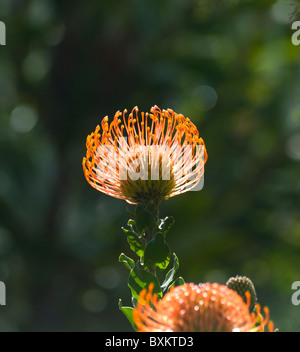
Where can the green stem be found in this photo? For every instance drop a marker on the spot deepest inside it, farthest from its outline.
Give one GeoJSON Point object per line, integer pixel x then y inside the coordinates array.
{"type": "Point", "coordinates": [149, 235]}
{"type": "Point", "coordinates": [152, 270]}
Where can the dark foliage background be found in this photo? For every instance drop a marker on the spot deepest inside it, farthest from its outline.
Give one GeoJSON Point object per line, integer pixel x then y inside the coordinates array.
{"type": "Point", "coordinates": [228, 65]}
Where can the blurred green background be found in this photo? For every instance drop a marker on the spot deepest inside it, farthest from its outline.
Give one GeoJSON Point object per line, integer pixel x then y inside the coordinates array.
{"type": "Point", "coordinates": [228, 65]}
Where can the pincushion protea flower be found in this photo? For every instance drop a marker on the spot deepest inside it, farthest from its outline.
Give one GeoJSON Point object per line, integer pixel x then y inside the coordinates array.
{"type": "Point", "coordinates": [197, 308]}
{"type": "Point", "coordinates": [145, 158]}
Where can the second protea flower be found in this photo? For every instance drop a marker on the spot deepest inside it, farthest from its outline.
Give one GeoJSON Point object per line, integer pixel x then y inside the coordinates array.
{"type": "Point", "coordinates": [145, 158]}
{"type": "Point", "coordinates": [197, 308]}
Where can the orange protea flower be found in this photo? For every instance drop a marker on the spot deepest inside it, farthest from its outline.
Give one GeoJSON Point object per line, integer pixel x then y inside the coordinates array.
{"type": "Point", "coordinates": [197, 308]}
{"type": "Point", "coordinates": [145, 158]}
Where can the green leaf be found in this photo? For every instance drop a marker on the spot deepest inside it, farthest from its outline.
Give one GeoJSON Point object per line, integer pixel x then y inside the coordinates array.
{"type": "Point", "coordinates": [139, 279]}
{"type": "Point", "coordinates": [134, 301]}
{"type": "Point", "coordinates": [126, 231]}
{"type": "Point", "coordinates": [137, 244]}
{"type": "Point", "coordinates": [144, 220]}
{"type": "Point", "coordinates": [128, 313]}
{"type": "Point", "coordinates": [171, 273]}
{"type": "Point", "coordinates": [131, 224]}
{"type": "Point", "coordinates": [128, 262]}
{"type": "Point", "coordinates": [157, 252]}
{"type": "Point", "coordinates": [179, 281]}
{"type": "Point", "coordinates": [166, 224]}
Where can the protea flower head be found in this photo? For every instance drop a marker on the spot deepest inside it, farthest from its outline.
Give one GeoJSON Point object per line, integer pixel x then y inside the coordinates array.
{"type": "Point", "coordinates": [145, 158]}
{"type": "Point", "coordinates": [197, 308]}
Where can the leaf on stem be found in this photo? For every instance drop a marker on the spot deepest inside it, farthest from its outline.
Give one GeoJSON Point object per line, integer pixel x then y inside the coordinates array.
{"type": "Point", "coordinates": [157, 252]}
{"type": "Point", "coordinates": [128, 262]}
{"type": "Point", "coordinates": [140, 279]}
{"type": "Point", "coordinates": [137, 244]}
{"type": "Point", "coordinates": [170, 275]}
{"type": "Point", "coordinates": [166, 224]}
{"type": "Point", "coordinates": [128, 313]}
{"type": "Point", "coordinates": [178, 282]}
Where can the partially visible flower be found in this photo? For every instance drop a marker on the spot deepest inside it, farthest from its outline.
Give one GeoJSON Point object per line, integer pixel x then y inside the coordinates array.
{"type": "Point", "coordinates": [145, 158]}
{"type": "Point", "coordinates": [241, 285]}
{"type": "Point", "coordinates": [197, 308]}
{"type": "Point", "coordinates": [295, 15]}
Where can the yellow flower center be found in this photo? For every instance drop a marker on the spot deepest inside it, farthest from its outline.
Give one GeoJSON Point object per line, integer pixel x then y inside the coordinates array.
{"type": "Point", "coordinates": [146, 175]}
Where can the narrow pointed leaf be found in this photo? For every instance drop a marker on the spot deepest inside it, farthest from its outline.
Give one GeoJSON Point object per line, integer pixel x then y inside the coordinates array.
{"type": "Point", "coordinates": [157, 252]}
{"type": "Point", "coordinates": [171, 273]}
{"type": "Point", "coordinates": [139, 279]}
{"type": "Point", "coordinates": [166, 224]}
{"type": "Point", "coordinates": [137, 244]}
{"type": "Point", "coordinates": [179, 281]}
{"type": "Point", "coordinates": [127, 311]}
{"type": "Point", "coordinates": [128, 262]}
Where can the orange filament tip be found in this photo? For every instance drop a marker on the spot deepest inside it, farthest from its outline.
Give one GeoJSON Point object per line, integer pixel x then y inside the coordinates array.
{"type": "Point", "coordinates": [248, 298]}
{"type": "Point", "coordinates": [271, 326]}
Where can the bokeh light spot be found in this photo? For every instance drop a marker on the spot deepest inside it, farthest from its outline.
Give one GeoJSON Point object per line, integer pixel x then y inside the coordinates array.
{"type": "Point", "coordinates": [293, 147]}
{"type": "Point", "coordinates": [40, 12]}
{"type": "Point", "coordinates": [23, 118]}
{"type": "Point", "coordinates": [281, 11]}
{"type": "Point", "coordinates": [107, 277]}
{"type": "Point", "coordinates": [206, 96]}
{"type": "Point", "coordinates": [94, 300]}
{"type": "Point", "coordinates": [36, 66]}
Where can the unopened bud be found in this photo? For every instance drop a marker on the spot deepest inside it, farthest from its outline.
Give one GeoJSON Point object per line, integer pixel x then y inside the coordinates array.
{"type": "Point", "coordinates": [242, 284]}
